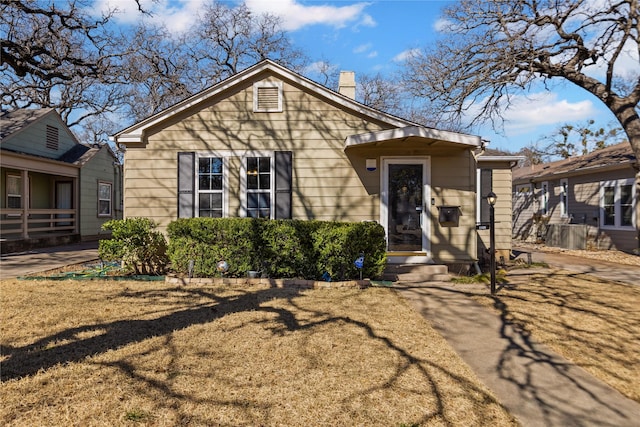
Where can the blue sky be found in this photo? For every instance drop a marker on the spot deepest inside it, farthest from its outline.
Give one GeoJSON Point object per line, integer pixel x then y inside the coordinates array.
{"type": "Point", "coordinates": [371, 37]}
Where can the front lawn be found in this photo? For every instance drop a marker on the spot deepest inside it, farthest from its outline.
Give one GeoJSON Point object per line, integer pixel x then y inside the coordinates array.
{"type": "Point", "coordinates": [592, 322]}
{"type": "Point", "coordinates": [150, 353]}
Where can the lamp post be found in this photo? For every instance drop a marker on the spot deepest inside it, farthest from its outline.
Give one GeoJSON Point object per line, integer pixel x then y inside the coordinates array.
{"type": "Point", "coordinates": [491, 198]}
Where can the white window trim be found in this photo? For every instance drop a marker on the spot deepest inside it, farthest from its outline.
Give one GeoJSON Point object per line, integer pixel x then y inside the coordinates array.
{"type": "Point", "coordinates": [110, 214]}
{"type": "Point", "coordinates": [243, 180]}
{"type": "Point", "coordinates": [258, 85]}
{"type": "Point", "coordinates": [564, 198]}
{"type": "Point", "coordinates": [616, 184]}
{"type": "Point", "coordinates": [478, 195]}
{"type": "Point", "coordinates": [224, 155]}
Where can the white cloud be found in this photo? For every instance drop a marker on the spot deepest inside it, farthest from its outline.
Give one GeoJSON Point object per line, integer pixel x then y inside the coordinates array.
{"type": "Point", "coordinates": [405, 54]}
{"type": "Point", "coordinates": [295, 15]}
{"type": "Point", "coordinates": [179, 15]}
{"type": "Point", "coordinates": [320, 67]}
{"type": "Point", "coordinates": [362, 48]}
{"type": "Point", "coordinates": [527, 113]}
{"type": "Point", "coordinates": [366, 49]}
{"type": "Point", "coordinates": [442, 25]}
{"type": "Point", "coordinates": [176, 15]}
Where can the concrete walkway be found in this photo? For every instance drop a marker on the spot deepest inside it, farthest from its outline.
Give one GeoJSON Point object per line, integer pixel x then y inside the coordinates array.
{"type": "Point", "coordinates": [37, 260]}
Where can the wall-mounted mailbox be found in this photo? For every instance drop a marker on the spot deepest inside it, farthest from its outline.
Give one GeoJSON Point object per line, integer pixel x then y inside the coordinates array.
{"type": "Point", "coordinates": [449, 216]}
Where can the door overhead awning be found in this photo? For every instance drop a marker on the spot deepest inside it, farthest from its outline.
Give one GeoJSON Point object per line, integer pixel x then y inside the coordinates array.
{"type": "Point", "coordinates": [413, 133]}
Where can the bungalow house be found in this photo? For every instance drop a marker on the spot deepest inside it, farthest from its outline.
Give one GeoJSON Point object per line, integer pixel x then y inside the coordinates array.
{"type": "Point", "coordinates": [54, 189]}
{"type": "Point", "coordinates": [268, 142]}
{"type": "Point", "coordinates": [582, 202]}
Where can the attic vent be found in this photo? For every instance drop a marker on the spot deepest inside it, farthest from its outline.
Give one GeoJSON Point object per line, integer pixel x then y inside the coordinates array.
{"type": "Point", "coordinates": [52, 137]}
{"type": "Point", "coordinates": [267, 97]}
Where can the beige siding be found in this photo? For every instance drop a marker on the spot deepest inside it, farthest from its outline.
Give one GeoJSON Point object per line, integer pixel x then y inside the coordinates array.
{"type": "Point", "coordinates": [325, 185]}
{"type": "Point", "coordinates": [503, 212]}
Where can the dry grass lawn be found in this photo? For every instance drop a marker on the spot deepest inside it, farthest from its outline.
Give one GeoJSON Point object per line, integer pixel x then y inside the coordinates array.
{"type": "Point", "coordinates": [592, 322]}
{"type": "Point", "coordinates": [110, 353]}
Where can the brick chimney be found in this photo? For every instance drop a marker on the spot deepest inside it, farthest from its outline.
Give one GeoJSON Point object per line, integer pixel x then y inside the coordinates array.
{"type": "Point", "coordinates": [347, 84]}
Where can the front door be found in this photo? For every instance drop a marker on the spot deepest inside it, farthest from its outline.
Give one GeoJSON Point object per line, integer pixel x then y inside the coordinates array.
{"type": "Point", "coordinates": [404, 211]}
{"type": "Point", "coordinates": [64, 200]}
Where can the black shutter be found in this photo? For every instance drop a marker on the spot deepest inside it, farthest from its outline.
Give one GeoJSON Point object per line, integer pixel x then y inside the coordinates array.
{"type": "Point", "coordinates": [283, 161]}
{"type": "Point", "coordinates": [186, 171]}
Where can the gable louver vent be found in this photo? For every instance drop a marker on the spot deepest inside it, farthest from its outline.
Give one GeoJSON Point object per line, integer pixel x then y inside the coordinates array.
{"type": "Point", "coordinates": [52, 137]}
{"type": "Point", "coordinates": [268, 97]}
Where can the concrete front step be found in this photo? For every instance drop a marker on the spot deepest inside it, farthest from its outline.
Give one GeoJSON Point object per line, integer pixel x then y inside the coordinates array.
{"type": "Point", "coordinates": [416, 273]}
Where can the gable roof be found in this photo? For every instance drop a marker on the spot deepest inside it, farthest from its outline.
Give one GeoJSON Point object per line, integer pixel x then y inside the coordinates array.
{"type": "Point", "coordinates": [618, 156]}
{"type": "Point", "coordinates": [136, 132]}
{"type": "Point", "coordinates": [12, 122]}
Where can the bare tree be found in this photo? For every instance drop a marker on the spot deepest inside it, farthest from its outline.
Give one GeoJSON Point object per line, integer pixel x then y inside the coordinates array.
{"type": "Point", "coordinates": [58, 57]}
{"type": "Point", "coordinates": [225, 40]}
{"type": "Point", "coordinates": [90, 69]}
{"type": "Point", "coordinates": [159, 72]}
{"type": "Point", "coordinates": [497, 49]}
{"type": "Point", "coordinates": [380, 93]}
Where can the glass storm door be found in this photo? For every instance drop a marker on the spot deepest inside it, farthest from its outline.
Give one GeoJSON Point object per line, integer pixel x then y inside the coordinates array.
{"type": "Point", "coordinates": [403, 195]}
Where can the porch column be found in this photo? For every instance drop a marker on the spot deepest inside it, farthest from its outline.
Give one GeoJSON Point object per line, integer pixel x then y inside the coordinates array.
{"type": "Point", "coordinates": [76, 205]}
{"type": "Point", "coordinates": [24, 177]}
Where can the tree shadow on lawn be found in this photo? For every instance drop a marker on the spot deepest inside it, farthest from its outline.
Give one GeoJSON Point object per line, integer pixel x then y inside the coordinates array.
{"type": "Point", "coordinates": [68, 346]}
{"type": "Point", "coordinates": [47, 352]}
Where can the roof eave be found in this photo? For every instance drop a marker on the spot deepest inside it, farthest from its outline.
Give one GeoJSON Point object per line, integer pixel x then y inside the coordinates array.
{"type": "Point", "coordinates": [400, 133]}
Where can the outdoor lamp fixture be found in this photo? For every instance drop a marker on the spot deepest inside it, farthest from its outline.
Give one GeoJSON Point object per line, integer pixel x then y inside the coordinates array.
{"type": "Point", "coordinates": [491, 198]}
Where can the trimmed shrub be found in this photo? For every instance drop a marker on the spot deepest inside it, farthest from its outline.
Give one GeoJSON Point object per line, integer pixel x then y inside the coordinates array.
{"type": "Point", "coordinates": [339, 244]}
{"type": "Point", "coordinates": [207, 241]}
{"type": "Point", "coordinates": [277, 248]}
{"type": "Point", "coordinates": [136, 243]}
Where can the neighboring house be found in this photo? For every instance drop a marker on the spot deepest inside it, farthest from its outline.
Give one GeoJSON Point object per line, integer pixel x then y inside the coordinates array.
{"type": "Point", "coordinates": [270, 143]}
{"type": "Point", "coordinates": [588, 201]}
{"type": "Point", "coordinates": [54, 189]}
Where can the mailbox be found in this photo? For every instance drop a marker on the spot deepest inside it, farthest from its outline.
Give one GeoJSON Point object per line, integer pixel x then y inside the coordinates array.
{"type": "Point", "coordinates": [449, 216]}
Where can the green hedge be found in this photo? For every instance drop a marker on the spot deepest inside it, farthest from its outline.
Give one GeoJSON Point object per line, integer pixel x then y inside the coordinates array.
{"type": "Point", "coordinates": [137, 244]}
{"type": "Point", "coordinates": [276, 248]}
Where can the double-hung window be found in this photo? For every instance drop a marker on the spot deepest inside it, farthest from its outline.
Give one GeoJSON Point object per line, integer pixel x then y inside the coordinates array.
{"type": "Point", "coordinates": [544, 198]}
{"type": "Point", "coordinates": [14, 191]}
{"type": "Point", "coordinates": [104, 198]}
{"type": "Point", "coordinates": [259, 194]}
{"type": "Point", "coordinates": [564, 197]}
{"type": "Point", "coordinates": [255, 184]}
{"type": "Point", "coordinates": [617, 201]}
{"type": "Point", "coordinates": [210, 187]}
